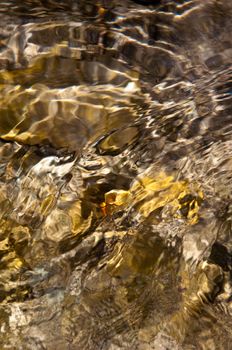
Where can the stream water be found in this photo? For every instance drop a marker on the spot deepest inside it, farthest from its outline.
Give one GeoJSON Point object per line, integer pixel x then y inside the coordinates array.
{"type": "Point", "coordinates": [115, 175]}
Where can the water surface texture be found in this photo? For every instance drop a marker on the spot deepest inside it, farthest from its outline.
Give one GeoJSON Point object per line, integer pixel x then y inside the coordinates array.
{"type": "Point", "coordinates": [115, 175]}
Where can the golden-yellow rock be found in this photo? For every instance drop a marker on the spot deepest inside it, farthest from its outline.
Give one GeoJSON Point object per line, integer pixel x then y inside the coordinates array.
{"type": "Point", "coordinates": [114, 200]}
{"type": "Point", "coordinates": [117, 197]}
{"type": "Point", "coordinates": [151, 193]}
{"type": "Point", "coordinates": [180, 198]}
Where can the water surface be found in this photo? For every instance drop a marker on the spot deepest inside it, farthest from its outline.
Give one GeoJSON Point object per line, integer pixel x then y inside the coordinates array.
{"type": "Point", "coordinates": [115, 175]}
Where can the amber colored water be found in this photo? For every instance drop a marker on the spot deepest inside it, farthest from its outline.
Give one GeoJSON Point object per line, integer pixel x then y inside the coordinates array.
{"type": "Point", "coordinates": [115, 175]}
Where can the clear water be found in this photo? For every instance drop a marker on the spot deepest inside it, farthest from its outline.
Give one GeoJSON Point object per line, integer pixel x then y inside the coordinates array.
{"type": "Point", "coordinates": [115, 175]}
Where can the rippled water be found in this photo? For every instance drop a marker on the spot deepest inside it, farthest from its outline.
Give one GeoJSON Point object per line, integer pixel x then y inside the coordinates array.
{"type": "Point", "coordinates": [115, 174]}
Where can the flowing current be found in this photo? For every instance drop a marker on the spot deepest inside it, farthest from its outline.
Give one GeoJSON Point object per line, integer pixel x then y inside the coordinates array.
{"type": "Point", "coordinates": [115, 175]}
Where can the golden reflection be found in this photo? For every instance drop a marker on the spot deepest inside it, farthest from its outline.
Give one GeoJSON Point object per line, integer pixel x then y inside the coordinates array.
{"type": "Point", "coordinates": [114, 200]}
{"type": "Point", "coordinates": [163, 192]}
{"type": "Point", "coordinates": [47, 204]}
{"type": "Point", "coordinates": [115, 173]}
{"type": "Point", "coordinates": [79, 224]}
{"type": "Point", "coordinates": [180, 198]}
{"type": "Point", "coordinates": [35, 114]}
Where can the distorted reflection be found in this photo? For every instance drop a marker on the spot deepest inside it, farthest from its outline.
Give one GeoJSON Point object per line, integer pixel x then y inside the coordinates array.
{"type": "Point", "coordinates": [115, 175]}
